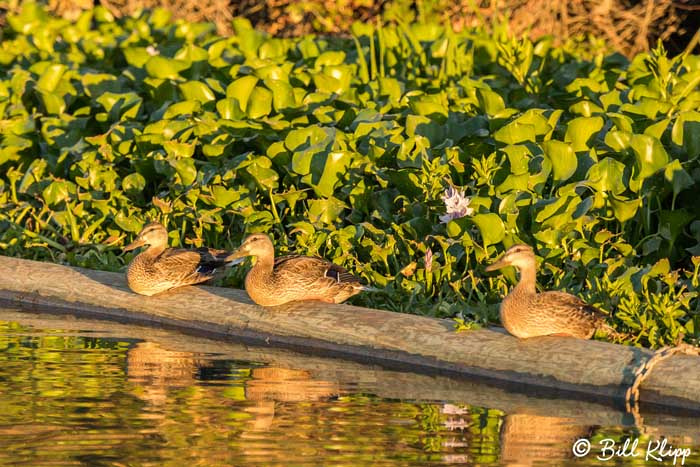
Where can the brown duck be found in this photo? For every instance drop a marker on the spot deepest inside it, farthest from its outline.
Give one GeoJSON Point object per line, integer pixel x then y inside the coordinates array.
{"type": "Point", "coordinates": [159, 268]}
{"type": "Point", "coordinates": [275, 281]}
{"type": "Point", "coordinates": [526, 313]}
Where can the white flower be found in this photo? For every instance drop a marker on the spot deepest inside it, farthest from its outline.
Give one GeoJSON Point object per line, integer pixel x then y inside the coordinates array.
{"type": "Point", "coordinates": [456, 205]}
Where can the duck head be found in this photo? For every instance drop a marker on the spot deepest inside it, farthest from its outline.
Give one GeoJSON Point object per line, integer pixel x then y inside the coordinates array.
{"type": "Point", "coordinates": [520, 256]}
{"type": "Point", "coordinates": [153, 234]}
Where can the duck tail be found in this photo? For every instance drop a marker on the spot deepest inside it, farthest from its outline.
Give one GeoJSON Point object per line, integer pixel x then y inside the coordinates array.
{"type": "Point", "coordinates": [366, 288]}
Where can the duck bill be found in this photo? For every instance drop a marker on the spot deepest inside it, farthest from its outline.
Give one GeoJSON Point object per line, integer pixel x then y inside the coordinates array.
{"type": "Point", "coordinates": [133, 245]}
{"type": "Point", "coordinates": [237, 256]}
{"type": "Point", "coordinates": [497, 265]}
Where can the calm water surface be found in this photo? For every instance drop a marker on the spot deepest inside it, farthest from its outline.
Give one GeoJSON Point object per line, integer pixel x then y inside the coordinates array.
{"type": "Point", "coordinates": [94, 393]}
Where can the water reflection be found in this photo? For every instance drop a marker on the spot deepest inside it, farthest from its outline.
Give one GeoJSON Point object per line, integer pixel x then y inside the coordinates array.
{"type": "Point", "coordinates": [136, 396]}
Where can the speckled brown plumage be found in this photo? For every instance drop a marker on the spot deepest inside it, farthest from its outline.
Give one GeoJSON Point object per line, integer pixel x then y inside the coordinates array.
{"type": "Point", "coordinates": [159, 268]}
{"type": "Point", "coordinates": [273, 282]}
{"type": "Point", "coordinates": [526, 313]}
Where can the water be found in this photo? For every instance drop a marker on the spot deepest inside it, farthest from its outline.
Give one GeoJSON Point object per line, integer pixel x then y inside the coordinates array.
{"type": "Point", "coordinates": [80, 393]}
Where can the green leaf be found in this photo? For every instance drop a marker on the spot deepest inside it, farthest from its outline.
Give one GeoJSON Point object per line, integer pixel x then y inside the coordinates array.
{"type": "Point", "coordinates": [241, 90]}
{"type": "Point", "coordinates": [260, 103]}
{"type": "Point", "coordinates": [515, 132]}
{"type": "Point", "coordinates": [128, 223]}
{"type": "Point", "coordinates": [260, 168]}
{"type": "Point", "coordinates": [491, 227]}
{"type": "Point", "coordinates": [332, 170]}
{"type": "Point", "coordinates": [490, 102]}
{"type": "Point", "coordinates": [196, 91]}
{"type": "Point", "coordinates": [120, 105]}
{"type": "Point", "coordinates": [223, 196]}
{"type": "Point", "coordinates": [650, 155]}
{"type": "Point", "coordinates": [165, 68]}
{"type": "Point", "coordinates": [678, 177]}
{"type": "Point", "coordinates": [581, 132]}
{"type": "Point", "coordinates": [282, 94]}
{"type": "Point", "coordinates": [607, 176]}
{"type": "Point", "coordinates": [562, 157]}
{"type": "Point", "coordinates": [51, 77]}
{"type": "Point", "coordinates": [686, 133]}
{"type": "Point", "coordinates": [325, 211]}
{"type": "Point", "coordinates": [59, 191]}
{"type": "Point", "coordinates": [134, 183]}
{"type": "Point", "coordinates": [624, 210]}
{"type": "Point", "coordinates": [185, 169]}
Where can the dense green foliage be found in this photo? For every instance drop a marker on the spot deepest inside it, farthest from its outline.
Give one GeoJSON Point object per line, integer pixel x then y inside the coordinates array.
{"type": "Point", "coordinates": [344, 147]}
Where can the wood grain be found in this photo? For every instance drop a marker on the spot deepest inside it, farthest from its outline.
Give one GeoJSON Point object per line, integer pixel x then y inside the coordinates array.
{"type": "Point", "coordinates": [590, 369]}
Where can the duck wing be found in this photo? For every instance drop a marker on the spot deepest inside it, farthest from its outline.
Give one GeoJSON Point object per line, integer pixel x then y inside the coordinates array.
{"type": "Point", "coordinates": [310, 269]}
{"type": "Point", "coordinates": [567, 308]}
{"type": "Point", "coordinates": [190, 266]}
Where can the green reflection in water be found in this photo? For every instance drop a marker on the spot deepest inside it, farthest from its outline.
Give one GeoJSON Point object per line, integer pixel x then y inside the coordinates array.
{"type": "Point", "coordinates": [71, 399]}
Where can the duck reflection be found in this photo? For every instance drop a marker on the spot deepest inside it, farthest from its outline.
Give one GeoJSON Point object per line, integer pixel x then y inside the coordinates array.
{"type": "Point", "coordinates": [270, 385]}
{"type": "Point", "coordinates": [154, 371]}
{"type": "Point", "coordinates": [528, 439]}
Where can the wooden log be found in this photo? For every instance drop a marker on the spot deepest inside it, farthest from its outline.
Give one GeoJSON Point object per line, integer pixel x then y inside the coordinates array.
{"type": "Point", "coordinates": [589, 369]}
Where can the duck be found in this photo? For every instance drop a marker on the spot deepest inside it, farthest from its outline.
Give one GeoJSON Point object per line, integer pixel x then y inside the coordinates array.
{"type": "Point", "coordinates": [525, 313]}
{"type": "Point", "coordinates": [158, 268]}
{"type": "Point", "coordinates": [276, 281]}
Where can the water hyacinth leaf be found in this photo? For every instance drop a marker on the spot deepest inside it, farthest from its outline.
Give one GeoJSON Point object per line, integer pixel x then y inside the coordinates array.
{"type": "Point", "coordinates": [164, 67]}
{"type": "Point", "coordinates": [518, 157]}
{"type": "Point", "coordinates": [581, 132]}
{"type": "Point", "coordinates": [657, 129]}
{"type": "Point", "coordinates": [332, 170]}
{"type": "Point", "coordinates": [623, 209]}
{"type": "Point", "coordinates": [136, 56]}
{"type": "Point", "coordinates": [185, 169]}
{"type": "Point", "coordinates": [330, 57]}
{"type": "Point", "coordinates": [230, 109]}
{"type": "Point", "coordinates": [562, 157]}
{"type": "Point", "coordinates": [58, 191]}
{"type": "Point", "coordinates": [676, 175]}
{"type": "Point", "coordinates": [282, 94]}
{"type": "Point", "coordinates": [671, 223]}
{"type": "Point", "coordinates": [52, 103]}
{"type": "Point", "coordinates": [491, 227]}
{"type": "Point", "coordinates": [51, 77]}
{"type": "Point", "coordinates": [128, 223]}
{"type": "Point", "coordinates": [650, 155]}
{"type": "Point", "coordinates": [223, 196]}
{"type": "Point", "coordinates": [431, 106]}
{"type": "Point", "coordinates": [686, 133]}
{"type": "Point", "coordinates": [515, 132]}
{"type": "Point", "coordinates": [306, 143]}
{"type": "Point", "coordinates": [260, 103]}
{"type": "Point", "coordinates": [179, 150]}
{"type": "Point", "coordinates": [182, 108]}
{"type": "Point", "coordinates": [490, 102]}
{"type": "Point", "coordinates": [538, 121]}
{"type": "Point", "coordinates": [241, 89]}
{"type": "Point", "coordinates": [260, 168]}
{"type": "Point", "coordinates": [196, 91]}
{"type": "Point", "coordinates": [618, 140]}
{"type": "Point", "coordinates": [120, 105]}
{"type": "Point", "coordinates": [325, 211]}
{"type": "Point", "coordinates": [134, 183]}
{"type": "Point", "coordinates": [607, 176]}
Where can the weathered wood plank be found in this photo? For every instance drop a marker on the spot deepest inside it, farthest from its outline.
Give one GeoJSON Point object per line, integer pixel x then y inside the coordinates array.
{"type": "Point", "coordinates": [589, 368]}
